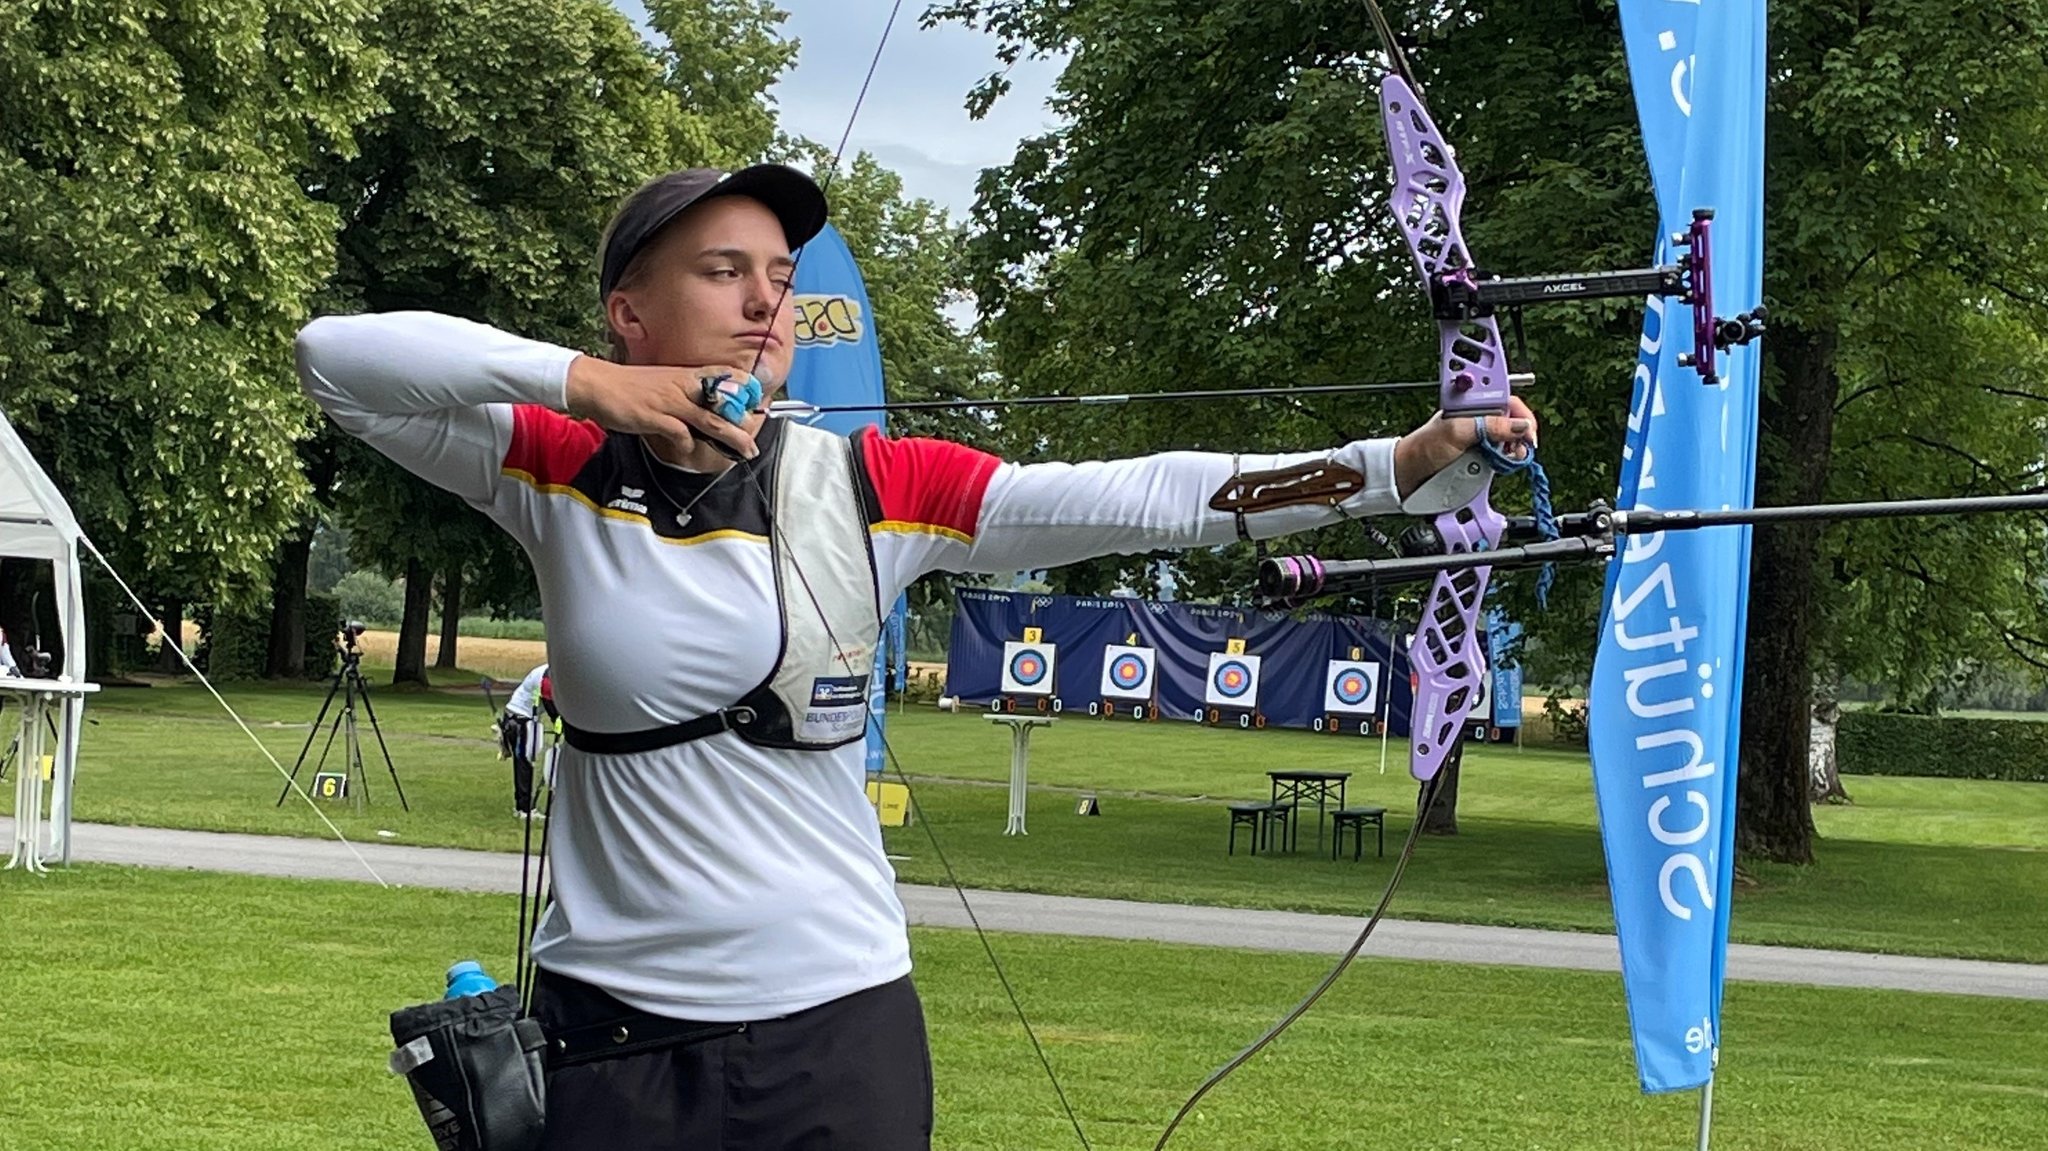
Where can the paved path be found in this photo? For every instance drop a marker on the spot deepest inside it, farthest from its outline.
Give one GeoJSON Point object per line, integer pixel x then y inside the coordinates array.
{"type": "Point", "coordinates": [1067, 915]}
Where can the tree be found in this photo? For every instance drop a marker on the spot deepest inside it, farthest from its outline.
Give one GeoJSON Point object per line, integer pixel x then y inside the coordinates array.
{"type": "Point", "coordinates": [156, 255]}
{"type": "Point", "coordinates": [719, 58]}
{"type": "Point", "coordinates": [512, 127]}
{"type": "Point", "coordinates": [1213, 212]}
{"type": "Point", "coordinates": [451, 615]}
{"type": "Point", "coordinates": [291, 570]}
{"type": "Point", "coordinates": [1907, 144]}
{"type": "Point", "coordinates": [1824, 783]}
{"type": "Point", "coordinates": [1214, 215]}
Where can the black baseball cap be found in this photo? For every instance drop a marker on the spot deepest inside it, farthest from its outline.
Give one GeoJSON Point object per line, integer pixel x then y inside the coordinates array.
{"type": "Point", "coordinates": [792, 196]}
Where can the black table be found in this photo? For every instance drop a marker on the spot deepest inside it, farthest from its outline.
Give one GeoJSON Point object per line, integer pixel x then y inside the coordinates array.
{"type": "Point", "coordinates": [1296, 788]}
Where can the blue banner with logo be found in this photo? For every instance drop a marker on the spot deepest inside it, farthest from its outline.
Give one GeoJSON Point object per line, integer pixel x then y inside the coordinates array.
{"type": "Point", "coordinates": [839, 362]}
{"type": "Point", "coordinates": [1501, 635]}
{"type": "Point", "coordinates": [1666, 692]}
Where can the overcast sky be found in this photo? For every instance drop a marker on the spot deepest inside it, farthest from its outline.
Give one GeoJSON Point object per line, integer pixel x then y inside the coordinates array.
{"type": "Point", "coordinates": [913, 120]}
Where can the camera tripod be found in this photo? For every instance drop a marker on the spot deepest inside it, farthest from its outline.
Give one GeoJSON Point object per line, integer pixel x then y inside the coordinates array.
{"type": "Point", "coordinates": [350, 685]}
{"type": "Point", "coordinates": [12, 755]}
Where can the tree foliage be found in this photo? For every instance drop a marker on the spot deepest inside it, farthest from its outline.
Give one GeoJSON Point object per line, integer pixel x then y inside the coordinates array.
{"type": "Point", "coordinates": [719, 58]}
{"type": "Point", "coordinates": [180, 188]}
{"type": "Point", "coordinates": [157, 252]}
{"type": "Point", "coordinates": [511, 127]}
{"type": "Point", "coordinates": [1213, 213]}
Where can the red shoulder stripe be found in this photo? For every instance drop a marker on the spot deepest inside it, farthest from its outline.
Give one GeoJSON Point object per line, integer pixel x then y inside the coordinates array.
{"type": "Point", "coordinates": [927, 485]}
{"type": "Point", "coordinates": [548, 446]}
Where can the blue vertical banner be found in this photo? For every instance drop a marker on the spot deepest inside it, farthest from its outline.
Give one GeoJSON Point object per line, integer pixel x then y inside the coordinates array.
{"type": "Point", "coordinates": [1501, 634]}
{"type": "Point", "coordinates": [839, 362]}
{"type": "Point", "coordinates": [1666, 694]}
{"type": "Point", "coordinates": [899, 642]}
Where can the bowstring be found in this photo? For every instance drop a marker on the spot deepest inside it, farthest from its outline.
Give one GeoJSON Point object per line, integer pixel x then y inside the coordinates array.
{"type": "Point", "coordinates": [761, 492]}
{"type": "Point", "coordinates": [1423, 804]}
{"type": "Point", "coordinates": [1397, 61]}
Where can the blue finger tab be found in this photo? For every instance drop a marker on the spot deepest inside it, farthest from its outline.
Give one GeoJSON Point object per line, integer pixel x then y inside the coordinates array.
{"type": "Point", "coordinates": [732, 403]}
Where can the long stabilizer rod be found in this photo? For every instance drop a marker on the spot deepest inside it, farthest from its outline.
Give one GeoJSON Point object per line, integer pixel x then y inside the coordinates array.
{"type": "Point", "coordinates": [798, 408]}
{"type": "Point", "coordinates": [1591, 535]}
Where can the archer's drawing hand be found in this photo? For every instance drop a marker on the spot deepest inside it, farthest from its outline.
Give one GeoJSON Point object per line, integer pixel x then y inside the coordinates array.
{"type": "Point", "coordinates": [664, 403]}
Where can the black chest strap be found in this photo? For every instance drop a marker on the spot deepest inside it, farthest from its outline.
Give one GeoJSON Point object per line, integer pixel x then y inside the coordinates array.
{"type": "Point", "coordinates": [656, 738]}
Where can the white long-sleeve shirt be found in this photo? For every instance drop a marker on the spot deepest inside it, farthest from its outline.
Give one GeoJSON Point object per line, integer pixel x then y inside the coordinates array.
{"type": "Point", "coordinates": [525, 698]}
{"type": "Point", "coordinates": [716, 880]}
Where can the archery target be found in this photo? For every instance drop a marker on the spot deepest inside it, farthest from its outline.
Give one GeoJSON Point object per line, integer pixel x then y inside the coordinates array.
{"type": "Point", "coordinates": [1127, 672]}
{"type": "Point", "coordinates": [1027, 668]}
{"type": "Point", "coordinates": [1352, 686]}
{"type": "Point", "coordinates": [1233, 681]}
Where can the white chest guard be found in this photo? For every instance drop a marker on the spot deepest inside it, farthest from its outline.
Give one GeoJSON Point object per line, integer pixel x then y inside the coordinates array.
{"type": "Point", "coordinates": [816, 696]}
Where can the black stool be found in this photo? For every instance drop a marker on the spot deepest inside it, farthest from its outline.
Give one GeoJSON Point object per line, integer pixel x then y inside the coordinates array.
{"type": "Point", "coordinates": [1258, 816]}
{"type": "Point", "coordinates": [1356, 818]}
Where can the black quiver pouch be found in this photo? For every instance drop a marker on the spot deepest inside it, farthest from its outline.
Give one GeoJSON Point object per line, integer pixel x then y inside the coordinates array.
{"type": "Point", "coordinates": [475, 1067]}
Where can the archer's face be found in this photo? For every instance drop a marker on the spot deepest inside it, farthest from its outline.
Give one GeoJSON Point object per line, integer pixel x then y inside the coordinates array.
{"type": "Point", "coordinates": [713, 289]}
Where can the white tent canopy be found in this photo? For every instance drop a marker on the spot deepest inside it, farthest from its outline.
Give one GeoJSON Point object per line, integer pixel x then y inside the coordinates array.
{"type": "Point", "coordinates": [36, 523]}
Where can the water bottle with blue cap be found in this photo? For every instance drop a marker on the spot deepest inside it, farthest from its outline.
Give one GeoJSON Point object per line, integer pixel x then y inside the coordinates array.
{"type": "Point", "coordinates": [468, 978]}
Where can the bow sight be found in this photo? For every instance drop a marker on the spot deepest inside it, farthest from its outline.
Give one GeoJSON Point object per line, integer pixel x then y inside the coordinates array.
{"type": "Point", "coordinates": [1469, 293]}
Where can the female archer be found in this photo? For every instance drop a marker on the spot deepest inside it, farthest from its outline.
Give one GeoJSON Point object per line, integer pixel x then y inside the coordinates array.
{"type": "Point", "coordinates": [725, 961]}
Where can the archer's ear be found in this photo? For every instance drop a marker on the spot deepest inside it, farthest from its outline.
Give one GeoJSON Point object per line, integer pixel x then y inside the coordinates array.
{"type": "Point", "coordinates": [623, 320]}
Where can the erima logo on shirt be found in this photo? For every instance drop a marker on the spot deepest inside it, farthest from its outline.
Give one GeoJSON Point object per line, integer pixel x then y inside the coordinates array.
{"type": "Point", "coordinates": [629, 501]}
{"type": "Point", "coordinates": [839, 691]}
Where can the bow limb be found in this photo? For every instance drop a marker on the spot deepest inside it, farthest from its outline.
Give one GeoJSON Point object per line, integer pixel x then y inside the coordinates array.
{"type": "Point", "coordinates": [1449, 649]}
{"type": "Point", "coordinates": [1449, 653]}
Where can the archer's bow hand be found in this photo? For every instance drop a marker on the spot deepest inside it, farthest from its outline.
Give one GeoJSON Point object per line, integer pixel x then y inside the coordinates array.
{"type": "Point", "coordinates": [1440, 443]}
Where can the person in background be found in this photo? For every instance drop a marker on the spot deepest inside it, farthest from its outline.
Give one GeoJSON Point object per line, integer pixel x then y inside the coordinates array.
{"type": "Point", "coordinates": [520, 734]}
{"type": "Point", "coordinates": [7, 664]}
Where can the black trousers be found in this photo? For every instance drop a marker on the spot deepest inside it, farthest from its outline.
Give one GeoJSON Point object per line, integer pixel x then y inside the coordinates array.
{"type": "Point", "coordinates": [522, 766]}
{"type": "Point", "coordinates": [850, 1075]}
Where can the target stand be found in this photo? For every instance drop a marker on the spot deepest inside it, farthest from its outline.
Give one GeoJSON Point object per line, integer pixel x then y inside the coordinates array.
{"type": "Point", "coordinates": [1336, 723]}
{"type": "Point", "coordinates": [1020, 762]}
{"type": "Point", "coordinates": [1130, 684]}
{"type": "Point", "coordinates": [1352, 699]}
{"type": "Point", "coordinates": [1230, 698]}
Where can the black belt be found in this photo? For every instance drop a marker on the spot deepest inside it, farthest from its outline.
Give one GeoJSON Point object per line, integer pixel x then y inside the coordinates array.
{"type": "Point", "coordinates": [630, 1036]}
{"type": "Point", "coordinates": [653, 739]}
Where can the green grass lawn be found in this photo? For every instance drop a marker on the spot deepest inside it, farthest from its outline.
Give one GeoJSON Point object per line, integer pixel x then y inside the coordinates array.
{"type": "Point", "coordinates": [181, 1011]}
{"type": "Point", "coordinates": [1937, 867]}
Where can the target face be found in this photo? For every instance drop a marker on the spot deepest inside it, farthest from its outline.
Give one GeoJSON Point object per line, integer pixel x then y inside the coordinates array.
{"type": "Point", "coordinates": [1127, 672]}
{"type": "Point", "coordinates": [1233, 680]}
{"type": "Point", "coordinates": [1027, 668]}
{"type": "Point", "coordinates": [1352, 686]}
